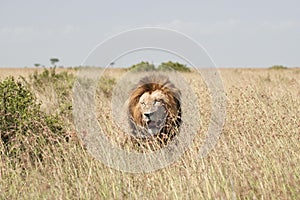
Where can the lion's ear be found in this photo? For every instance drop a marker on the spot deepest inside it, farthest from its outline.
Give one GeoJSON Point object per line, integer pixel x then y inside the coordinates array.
{"type": "Point", "coordinates": [176, 92]}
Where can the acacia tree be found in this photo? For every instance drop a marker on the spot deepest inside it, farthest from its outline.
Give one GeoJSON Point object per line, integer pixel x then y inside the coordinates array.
{"type": "Point", "coordinates": [37, 64]}
{"type": "Point", "coordinates": [53, 61]}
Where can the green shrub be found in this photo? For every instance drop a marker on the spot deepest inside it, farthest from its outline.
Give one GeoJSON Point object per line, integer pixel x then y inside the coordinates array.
{"type": "Point", "coordinates": [278, 67]}
{"type": "Point", "coordinates": [106, 85]}
{"type": "Point", "coordinates": [55, 90]}
{"type": "Point", "coordinates": [169, 66]}
{"type": "Point", "coordinates": [165, 66]}
{"type": "Point", "coordinates": [142, 66]}
{"type": "Point", "coordinates": [24, 129]}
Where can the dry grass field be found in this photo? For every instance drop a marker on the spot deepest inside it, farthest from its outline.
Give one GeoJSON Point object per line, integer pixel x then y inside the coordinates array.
{"type": "Point", "coordinates": [25, 72]}
{"type": "Point", "coordinates": [256, 157]}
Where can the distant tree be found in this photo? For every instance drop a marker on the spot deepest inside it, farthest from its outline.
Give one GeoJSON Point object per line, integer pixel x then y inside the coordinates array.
{"type": "Point", "coordinates": [142, 66]}
{"type": "Point", "coordinates": [37, 64]}
{"type": "Point", "coordinates": [54, 61]}
{"type": "Point", "coordinates": [166, 66]}
{"type": "Point", "coordinates": [278, 67]}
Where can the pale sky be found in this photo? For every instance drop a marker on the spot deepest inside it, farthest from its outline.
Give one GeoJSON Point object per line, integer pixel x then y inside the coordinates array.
{"type": "Point", "coordinates": [235, 33]}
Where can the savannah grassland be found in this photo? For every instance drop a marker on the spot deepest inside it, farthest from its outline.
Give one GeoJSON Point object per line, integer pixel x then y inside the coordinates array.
{"type": "Point", "coordinates": [256, 157]}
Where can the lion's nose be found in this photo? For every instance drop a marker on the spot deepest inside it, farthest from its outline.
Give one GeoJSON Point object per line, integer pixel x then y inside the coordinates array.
{"type": "Point", "coordinates": [148, 115]}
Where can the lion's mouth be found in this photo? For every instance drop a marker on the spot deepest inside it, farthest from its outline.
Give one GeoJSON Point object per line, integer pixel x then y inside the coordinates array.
{"type": "Point", "coordinates": [151, 124]}
{"type": "Point", "coordinates": [154, 124]}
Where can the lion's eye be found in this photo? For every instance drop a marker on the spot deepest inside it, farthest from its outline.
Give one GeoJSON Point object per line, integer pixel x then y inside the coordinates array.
{"type": "Point", "coordinates": [157, 101]}
{"type": "Point", "coordinates": [143, 103]}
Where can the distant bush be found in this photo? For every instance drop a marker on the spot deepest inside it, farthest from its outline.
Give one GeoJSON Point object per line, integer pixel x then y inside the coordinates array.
{"type": "Point", "coordinates": [278, 67]}
{"type": "Point", "coordinates": [167, 66]}
{"type": "Point", "coordinates": [54, 90]}
{"type": "Point", "coordinates": [173, 66]}
{"type": "Point", "coordinates": [142, 66]}
{"type": "Point", "coordinates": [106, 85]}
{"type": "Point", "coordinates": [24, 129]}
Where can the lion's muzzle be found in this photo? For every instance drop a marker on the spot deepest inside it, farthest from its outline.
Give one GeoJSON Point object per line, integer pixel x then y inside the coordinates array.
{"type": "Point", "coordinates": [154, 121]}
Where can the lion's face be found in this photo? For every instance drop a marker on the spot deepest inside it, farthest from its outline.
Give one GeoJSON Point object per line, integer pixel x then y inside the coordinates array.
{"type": "Point", "coordinates": [154, 107]}
{"type": "Point", "coordinates": [153, 111]}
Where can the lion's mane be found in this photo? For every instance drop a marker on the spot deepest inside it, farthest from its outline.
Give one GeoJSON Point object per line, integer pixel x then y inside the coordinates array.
{"type": "Point", "coordinates": [172, 104]}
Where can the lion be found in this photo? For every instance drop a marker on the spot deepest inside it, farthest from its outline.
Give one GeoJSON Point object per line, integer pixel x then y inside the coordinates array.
{"type": "Point", "coordinates": [155, 108]}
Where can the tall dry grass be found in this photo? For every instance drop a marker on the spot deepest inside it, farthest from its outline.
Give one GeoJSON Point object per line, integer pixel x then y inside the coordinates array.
{"type": "Point", "coordinates": [257, 156]}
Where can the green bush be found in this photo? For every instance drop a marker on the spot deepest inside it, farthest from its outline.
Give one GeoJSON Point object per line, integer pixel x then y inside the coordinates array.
{"type": "Point", "coordinates": [24, 129]}
{"type": "Point", "coordinates": [165, 66]}
{"type": "Point", "coordinates": [142, 66]}
{"type": "Point", "coordinates": [59, 85]}
{"type": "Point", "coordinates": [106, 85]}
{"type": "Point", "coordinates": [278, 67]}
{"type": "Point", "coordinates": [169, 66]}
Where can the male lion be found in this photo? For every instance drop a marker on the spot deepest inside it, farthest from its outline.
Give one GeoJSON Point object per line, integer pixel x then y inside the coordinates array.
{"type": "Point", "coordinates": [154, 108]}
